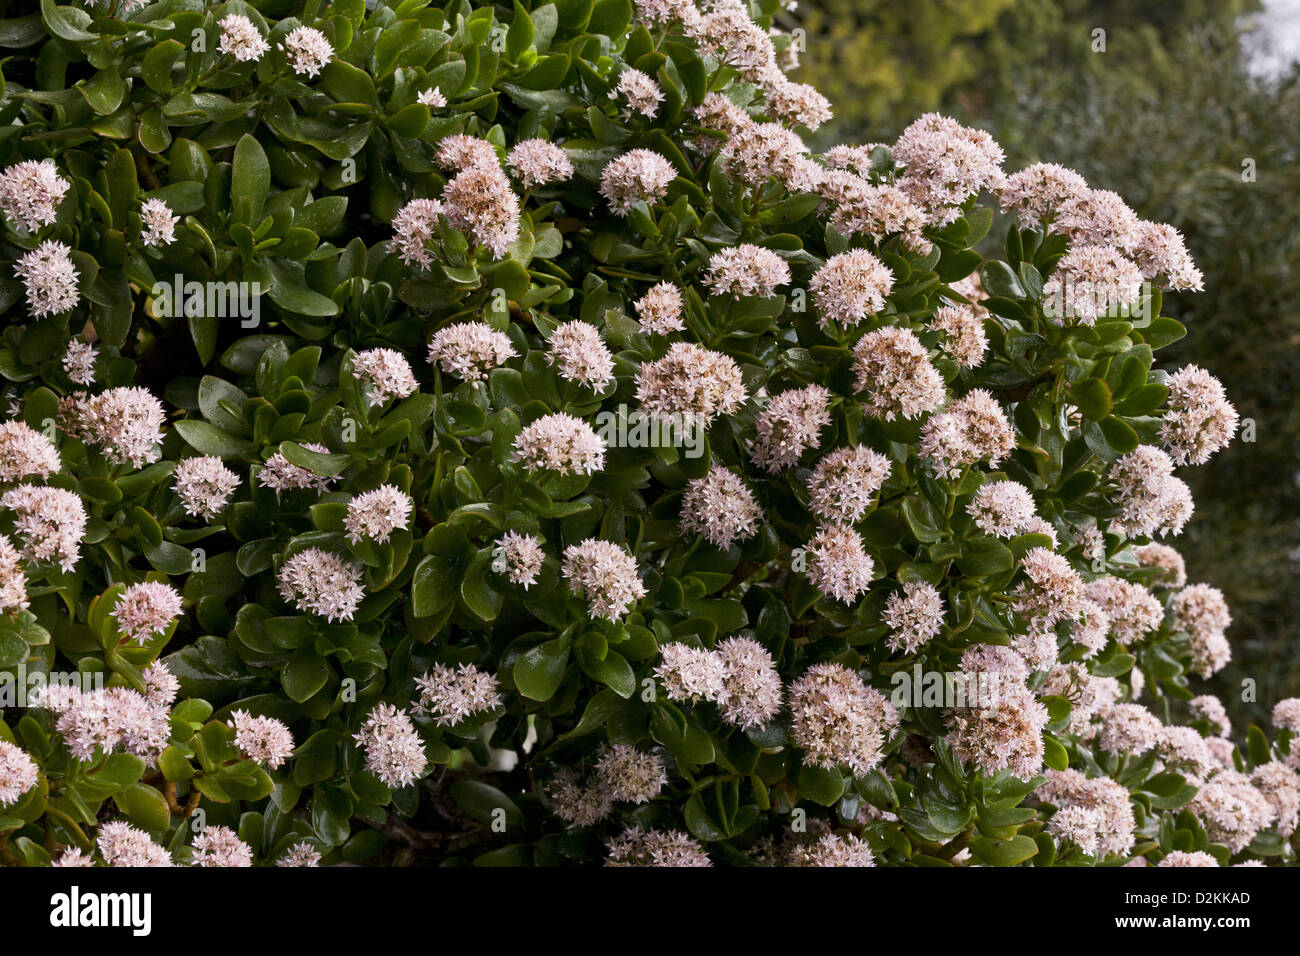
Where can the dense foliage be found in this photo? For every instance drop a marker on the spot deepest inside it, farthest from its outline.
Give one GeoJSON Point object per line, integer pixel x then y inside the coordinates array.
{"type": "Point", "coordinates": [1219, 162]}
{"type": "Point", "coordinates": [1216, 158]}
{"type": "Point", "coordinates": [552, 462]}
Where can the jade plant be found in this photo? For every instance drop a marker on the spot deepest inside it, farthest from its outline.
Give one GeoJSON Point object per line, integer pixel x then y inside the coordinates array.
{"type": "Point", "coordinates": [487, 434]}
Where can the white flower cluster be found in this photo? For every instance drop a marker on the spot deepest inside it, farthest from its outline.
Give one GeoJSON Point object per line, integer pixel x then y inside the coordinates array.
{"type": "Point", "coordinates": [739, 676]}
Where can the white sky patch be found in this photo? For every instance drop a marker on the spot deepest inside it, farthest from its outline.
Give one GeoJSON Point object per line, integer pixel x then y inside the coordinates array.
{"type": "Point", "coordinates": [1274, 37]}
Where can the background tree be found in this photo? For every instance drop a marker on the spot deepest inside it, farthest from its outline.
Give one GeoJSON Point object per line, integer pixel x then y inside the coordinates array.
{"type": "Point", "coordinates": [881, 63]}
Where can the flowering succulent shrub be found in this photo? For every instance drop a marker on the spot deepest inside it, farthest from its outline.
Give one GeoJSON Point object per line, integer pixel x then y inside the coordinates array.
{"type": "Point", "coordinates": [488, 434]}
